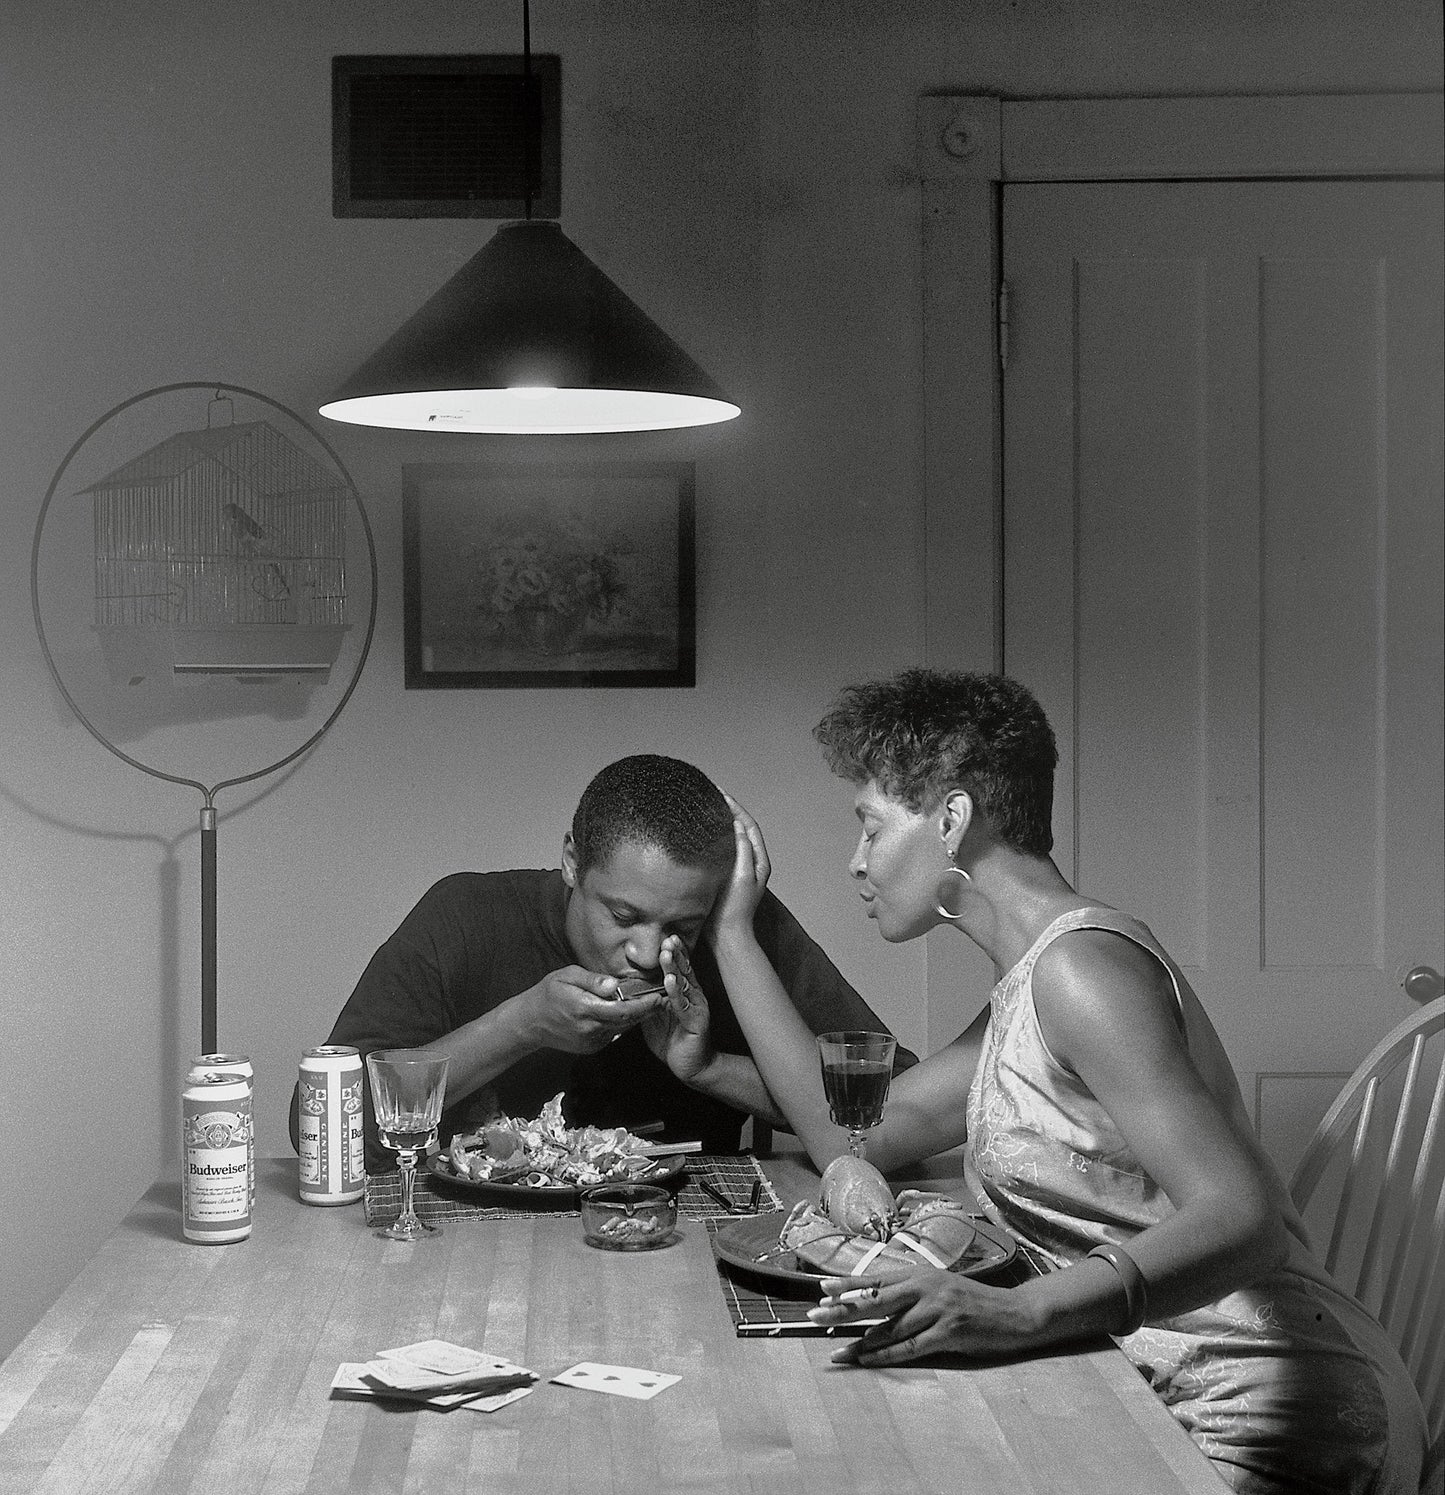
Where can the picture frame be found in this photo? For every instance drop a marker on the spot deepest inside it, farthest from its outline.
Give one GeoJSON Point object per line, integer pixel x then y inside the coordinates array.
{"type": "Point", "coordinates": [548, 574]}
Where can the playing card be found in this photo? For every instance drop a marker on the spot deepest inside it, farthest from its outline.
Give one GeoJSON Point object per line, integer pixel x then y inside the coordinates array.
{"type": "Point", "coordinates": [616, 1380]}
{"type": "Point", "coordinates": [441, 1356]}
{"type": "Point", "coordinates": [348, 1382]}
{"type": "Point", "coordinates": [496, 1403]}
{"type": "Point", "coordinates": [489, 1375]}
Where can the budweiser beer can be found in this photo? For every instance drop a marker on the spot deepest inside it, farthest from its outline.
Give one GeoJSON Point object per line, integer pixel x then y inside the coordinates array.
{"type": "Point", "coordinates": [217, 1158]}
{"type": "Point", "coordinates": [204, 1065]}
{"type": "Point", "coordinates": [333, 1149]}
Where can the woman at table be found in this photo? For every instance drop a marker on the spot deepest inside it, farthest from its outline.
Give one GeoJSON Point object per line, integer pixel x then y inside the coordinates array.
{"type": "Point", "coordinates": [1102, 1118]}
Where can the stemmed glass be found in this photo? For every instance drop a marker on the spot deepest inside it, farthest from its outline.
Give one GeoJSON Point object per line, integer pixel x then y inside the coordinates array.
{"type": "Point", "coordinates": [407, 1089]}
{"type": "Point", "coordinates": [856, 1069]}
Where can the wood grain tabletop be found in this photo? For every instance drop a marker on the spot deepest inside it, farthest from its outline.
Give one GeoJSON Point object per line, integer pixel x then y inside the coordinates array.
{"type": "Point", "coordinates": [171, 1367]}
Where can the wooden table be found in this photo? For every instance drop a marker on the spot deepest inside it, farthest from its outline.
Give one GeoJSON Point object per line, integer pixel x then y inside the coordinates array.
{"type": "Point", "coordinates": [171, 1367]}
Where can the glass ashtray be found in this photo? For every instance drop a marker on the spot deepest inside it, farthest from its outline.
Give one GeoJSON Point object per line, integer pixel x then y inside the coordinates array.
{"type": "Point", "coordinates": [628, 1217]}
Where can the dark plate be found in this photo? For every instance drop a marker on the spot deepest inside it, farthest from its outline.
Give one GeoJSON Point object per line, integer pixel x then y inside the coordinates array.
{"type": "Point", "coordinates": [439, 1165]}
{"type": "Point", "coordinates": [743, 1241]}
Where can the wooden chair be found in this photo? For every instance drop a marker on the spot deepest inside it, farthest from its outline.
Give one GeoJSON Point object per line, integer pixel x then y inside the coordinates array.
{"type": "Point", "coordinates": [1373, 1176]}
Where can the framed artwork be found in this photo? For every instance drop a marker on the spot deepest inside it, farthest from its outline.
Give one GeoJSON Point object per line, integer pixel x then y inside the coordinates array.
{"type": "Point", "coordinates": [537, 574]}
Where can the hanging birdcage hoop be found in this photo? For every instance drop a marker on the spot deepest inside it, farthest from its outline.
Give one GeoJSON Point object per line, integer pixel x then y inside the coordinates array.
{"type": "Point", "coordinates": [218, 552]}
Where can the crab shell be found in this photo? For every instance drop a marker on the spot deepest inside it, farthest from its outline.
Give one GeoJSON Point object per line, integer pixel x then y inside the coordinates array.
{"type": "Point", "coordinates": [855, 1196]}
{"type": "Point", "coordinates": [926, 1230]}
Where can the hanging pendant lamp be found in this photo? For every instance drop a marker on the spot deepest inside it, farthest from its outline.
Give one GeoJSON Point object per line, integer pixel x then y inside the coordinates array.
{"type": "Point", "coordinates": [529, 336]}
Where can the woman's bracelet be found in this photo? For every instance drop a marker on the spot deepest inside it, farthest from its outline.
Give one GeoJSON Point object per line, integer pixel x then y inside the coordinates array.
{"type": "Point", "coordinates": [1136, 1293]}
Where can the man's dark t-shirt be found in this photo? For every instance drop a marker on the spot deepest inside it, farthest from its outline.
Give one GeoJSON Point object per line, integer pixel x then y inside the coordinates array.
{"type": "Point", "coordinates": [478, 938]}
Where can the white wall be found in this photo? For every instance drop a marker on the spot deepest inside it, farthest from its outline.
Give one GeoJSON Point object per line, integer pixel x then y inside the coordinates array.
{"type": "Point", "coordinates": [744, 170]}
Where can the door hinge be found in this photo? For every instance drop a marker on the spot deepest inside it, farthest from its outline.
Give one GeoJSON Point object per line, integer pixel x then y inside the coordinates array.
{"type": "Point", "coordinates": [1003, 309]}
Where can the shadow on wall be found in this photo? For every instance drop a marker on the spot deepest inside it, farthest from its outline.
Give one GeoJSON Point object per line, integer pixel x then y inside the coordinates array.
{"type": "Point", "coordinates": [168, 917]}
{"type": "Point", "coordinates": [167, 912]}
{"type": "Point", "coordinates": [129, 710]}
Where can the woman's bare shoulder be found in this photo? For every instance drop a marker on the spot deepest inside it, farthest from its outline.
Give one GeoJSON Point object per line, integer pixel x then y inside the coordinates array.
{"type": "Point", "coordinates": [1096, 977]}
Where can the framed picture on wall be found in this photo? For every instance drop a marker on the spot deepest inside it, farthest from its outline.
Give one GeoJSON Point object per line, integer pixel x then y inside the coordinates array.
{"type": "Point", "coordinates": [537, 574]}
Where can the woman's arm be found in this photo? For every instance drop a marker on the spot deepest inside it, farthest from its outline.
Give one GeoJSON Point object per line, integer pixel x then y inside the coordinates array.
{"type": "Point", "coordinates": [925, 1110]}
{"type": "Point", "coordinates": [1107, 1012]}
{"type": "Point", "coordinates": [679, 1033]}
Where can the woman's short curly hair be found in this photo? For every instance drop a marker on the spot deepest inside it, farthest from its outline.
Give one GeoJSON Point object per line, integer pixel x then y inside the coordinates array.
{"type": "Point", "coordinates": [924, 732]}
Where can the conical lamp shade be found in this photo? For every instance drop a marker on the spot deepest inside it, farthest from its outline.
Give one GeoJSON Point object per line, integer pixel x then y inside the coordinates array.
{"type": "Point", "coordinates": [530, 336]}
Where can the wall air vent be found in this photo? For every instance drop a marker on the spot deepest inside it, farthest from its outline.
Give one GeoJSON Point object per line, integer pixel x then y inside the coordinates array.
{"type": "Point", "coordinates": [444, 137]}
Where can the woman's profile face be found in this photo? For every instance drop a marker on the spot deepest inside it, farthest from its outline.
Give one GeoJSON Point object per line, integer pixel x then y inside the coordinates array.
{"type": "Point", "coordinates": [897, 863]}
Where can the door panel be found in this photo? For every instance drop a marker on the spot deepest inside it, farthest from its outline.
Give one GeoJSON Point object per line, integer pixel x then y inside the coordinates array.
{"type": "Point", "coordinates": [1222, 574]}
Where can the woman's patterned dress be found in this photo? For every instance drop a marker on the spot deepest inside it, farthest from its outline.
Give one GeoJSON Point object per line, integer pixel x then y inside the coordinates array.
{"type": "Point", "coordinates": [1288, 1384]}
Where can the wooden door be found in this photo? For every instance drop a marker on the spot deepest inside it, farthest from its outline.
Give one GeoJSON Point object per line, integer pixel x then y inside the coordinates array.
{"type": "Point", "coordinates": [1223, 574]}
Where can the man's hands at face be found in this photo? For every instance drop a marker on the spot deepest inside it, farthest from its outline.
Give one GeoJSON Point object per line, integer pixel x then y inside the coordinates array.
{"type": "Point", "coordinates": [677, 1032]}
{"type": "Point", "coordinates": [578, 1011]}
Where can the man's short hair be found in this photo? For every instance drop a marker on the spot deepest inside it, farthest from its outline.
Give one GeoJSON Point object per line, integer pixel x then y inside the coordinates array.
{"type": "Point", "coordinates": [924, 732]}
{"type": "Point", "coordinates": [653, 801]}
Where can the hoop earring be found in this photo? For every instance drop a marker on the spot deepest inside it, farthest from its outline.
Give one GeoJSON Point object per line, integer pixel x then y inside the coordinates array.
{"type": "Point", "coordinates": [944, 887]}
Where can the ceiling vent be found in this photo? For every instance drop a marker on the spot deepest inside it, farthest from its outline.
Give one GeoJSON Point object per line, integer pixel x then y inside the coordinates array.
{"type": "Point", "coordinates": [445, 137]}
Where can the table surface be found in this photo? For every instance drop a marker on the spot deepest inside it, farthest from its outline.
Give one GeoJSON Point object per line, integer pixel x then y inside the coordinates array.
{"type": "Point", "coordinates": [173, 1367]}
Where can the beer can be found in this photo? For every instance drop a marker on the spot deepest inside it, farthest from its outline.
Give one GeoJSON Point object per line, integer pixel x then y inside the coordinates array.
{"type": "Point", "coordinates": [230, 1064]}
{"type": "Point", "coordinates": [217, 1158]}
{"type": "Point", "coordinates": [333, 1148]}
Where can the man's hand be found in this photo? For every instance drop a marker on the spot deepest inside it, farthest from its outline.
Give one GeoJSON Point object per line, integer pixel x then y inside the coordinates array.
{"type": "Point", "coordinates": [738, 902]}
{"type": "Point", "coordinates": [677, 1032]}
{"type": "Point", "coordinates": [577, 1011]}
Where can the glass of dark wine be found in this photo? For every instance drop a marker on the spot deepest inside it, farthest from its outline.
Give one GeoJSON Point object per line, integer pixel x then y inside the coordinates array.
{"type": "Point", "coordinates": [856, 1069]}
{"type": "Point", "coordinates": [407, 1090]}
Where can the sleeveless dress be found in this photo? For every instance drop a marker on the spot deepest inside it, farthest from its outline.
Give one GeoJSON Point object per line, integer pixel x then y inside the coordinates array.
{"type": "Point", "coordinates": [1288, 1385]}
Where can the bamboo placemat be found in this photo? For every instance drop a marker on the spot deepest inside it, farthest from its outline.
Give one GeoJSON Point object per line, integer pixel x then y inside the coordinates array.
{"type": "Point", "coordinates": [731, 1174]}
{"type": "Point", "coordinates": [758, 1312]}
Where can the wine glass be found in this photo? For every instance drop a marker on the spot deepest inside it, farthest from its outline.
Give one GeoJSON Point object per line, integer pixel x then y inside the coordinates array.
{"type": "Point", "coordinates": [407, 1089]}
{"type": "Point", "coordinates": [856, 1069]}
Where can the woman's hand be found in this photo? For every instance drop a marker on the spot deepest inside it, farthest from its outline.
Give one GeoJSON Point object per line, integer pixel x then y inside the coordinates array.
{"type": "Point", "coordinates": [677, 1031]}
{"type": "Point", "coordinates": [738, 901]}
{"type": "Point", "coordinates": [929, 1313]}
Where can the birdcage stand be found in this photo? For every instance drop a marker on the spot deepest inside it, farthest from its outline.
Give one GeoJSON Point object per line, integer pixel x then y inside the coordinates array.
{"type": "Point", "coordinates": [239, 664]}
{"type": "Point", "coordinates": [208, 929]}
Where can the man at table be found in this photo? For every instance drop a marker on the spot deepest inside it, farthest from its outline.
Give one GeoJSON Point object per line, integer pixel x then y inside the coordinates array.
{"type": "Point", "coordinates": [514, 975]}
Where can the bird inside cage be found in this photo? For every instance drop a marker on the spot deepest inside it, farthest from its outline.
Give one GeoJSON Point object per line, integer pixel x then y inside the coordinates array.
{"type": "Point", "coordinates": [221, 552]}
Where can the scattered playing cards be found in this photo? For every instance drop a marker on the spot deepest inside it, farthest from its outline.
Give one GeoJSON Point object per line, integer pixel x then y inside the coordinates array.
{"type": "Point", "coordinates": [436, 1374]}
{"type": "Point", "coordinates": [440, 1356]}
{"type": "Point", "coordinates": [616, 1380]}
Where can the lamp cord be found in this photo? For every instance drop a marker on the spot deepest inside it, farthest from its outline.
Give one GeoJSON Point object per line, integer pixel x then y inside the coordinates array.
{"type": "Point", "coordinates": [529, 104]}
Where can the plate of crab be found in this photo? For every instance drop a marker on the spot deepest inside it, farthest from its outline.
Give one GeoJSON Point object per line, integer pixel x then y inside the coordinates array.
{"type": "Point", "coordinates": [859, 1228]}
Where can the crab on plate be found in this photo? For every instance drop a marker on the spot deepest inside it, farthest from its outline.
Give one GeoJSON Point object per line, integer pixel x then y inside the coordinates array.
{"type": "Point", "coordinates": [858, 1228]}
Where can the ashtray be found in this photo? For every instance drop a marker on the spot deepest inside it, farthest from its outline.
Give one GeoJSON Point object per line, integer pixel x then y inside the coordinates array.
{"type": "Point", "coordinates": [628, 1217]}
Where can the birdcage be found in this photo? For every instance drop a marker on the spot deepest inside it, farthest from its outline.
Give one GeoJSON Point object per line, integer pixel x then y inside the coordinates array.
{"type": "Point", "coordinates": [221, 553]}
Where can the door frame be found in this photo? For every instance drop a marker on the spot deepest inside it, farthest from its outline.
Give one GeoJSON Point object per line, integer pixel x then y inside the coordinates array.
{"type": "Point", "coordinates": [968, 147]}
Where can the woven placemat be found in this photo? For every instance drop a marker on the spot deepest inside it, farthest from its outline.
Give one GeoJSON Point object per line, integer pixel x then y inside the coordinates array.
{"type": "Point", "coordinates": [732, 1174]}
{"type": "Point", "coordinates": [759, 1311]}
